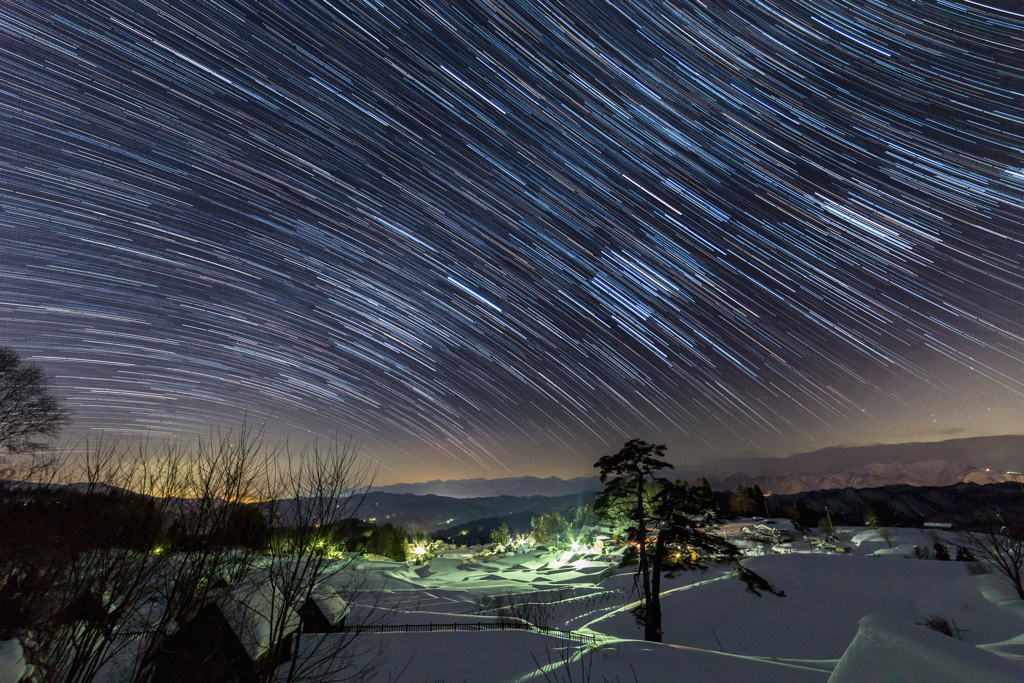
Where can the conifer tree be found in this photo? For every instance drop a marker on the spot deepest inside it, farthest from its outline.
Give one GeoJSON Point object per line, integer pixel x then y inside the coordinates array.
{"type": "Point", "coordinates": [678, 521]}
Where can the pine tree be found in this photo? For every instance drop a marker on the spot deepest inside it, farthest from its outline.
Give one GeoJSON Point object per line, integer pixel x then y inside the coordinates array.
{"type": "Point", "coordinates": [678, 519]}
{"type": "Point", "coordinates": [741, 503]}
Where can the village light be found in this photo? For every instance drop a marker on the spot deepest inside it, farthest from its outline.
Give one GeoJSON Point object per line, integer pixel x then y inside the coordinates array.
{"type": "Point", "coordinates": [419, 550]}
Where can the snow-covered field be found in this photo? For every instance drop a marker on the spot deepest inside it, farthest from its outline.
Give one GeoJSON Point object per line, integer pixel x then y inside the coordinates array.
{"type": "Point", "coordinates": [713, 629]}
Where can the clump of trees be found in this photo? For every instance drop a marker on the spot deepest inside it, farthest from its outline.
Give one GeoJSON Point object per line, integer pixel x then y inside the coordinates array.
{"type": "Point", "coordinates": [670, 524]}
{"type": "Point", "coordinates": [501, 534]}
{"type": "Point", "coordinates": [385, 540]}
{"type": "Point", "coordinates": [548, 528]}
{"type": "Point", "coordinates": [748, 502]}
{"type": "Point", "coordinates": [553, 528]}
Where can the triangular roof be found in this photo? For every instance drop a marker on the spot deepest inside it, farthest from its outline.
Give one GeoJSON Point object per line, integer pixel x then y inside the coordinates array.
{"type": "Point", "coordinates": [253, 610]}
{"type": "Point", "coordinates": [331, 605]}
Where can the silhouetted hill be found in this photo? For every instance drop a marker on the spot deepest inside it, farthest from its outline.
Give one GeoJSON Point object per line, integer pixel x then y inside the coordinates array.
{"type": "Point", "coordinates": [479, 530]}
{"type": "Point", "coordinates": [961, 504]}
{"type": "Point", "coordinates": [426, 513]}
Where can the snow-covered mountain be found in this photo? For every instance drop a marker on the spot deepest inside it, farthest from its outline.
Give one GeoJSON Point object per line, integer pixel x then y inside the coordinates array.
{"type": "Point", "coordinates": [979, 460]}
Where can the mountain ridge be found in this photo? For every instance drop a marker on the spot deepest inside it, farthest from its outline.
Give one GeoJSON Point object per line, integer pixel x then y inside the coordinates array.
{"type": "Point", "coordinates": [980, 460]}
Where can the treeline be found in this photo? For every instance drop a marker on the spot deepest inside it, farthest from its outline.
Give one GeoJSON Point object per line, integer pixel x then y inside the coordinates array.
{"type": "Point", "coordinates": [547, 528]}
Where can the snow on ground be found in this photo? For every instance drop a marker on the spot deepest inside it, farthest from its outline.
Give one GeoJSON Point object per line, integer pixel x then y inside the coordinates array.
{"type": "Point", "coordinates": [888, 649]}
{"type": "Point", "coordinates": [12, 661]}
{"type": "Point", "coordinates": [825, 598]}
{"type": "Point", "coordinates": [513, 657]}
{"type": "Point", "coordinates": [714, 629]}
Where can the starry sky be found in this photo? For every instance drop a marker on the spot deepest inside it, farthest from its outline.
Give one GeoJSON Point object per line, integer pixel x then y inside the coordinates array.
{"type": "Point", "coordinates": [495, 238]}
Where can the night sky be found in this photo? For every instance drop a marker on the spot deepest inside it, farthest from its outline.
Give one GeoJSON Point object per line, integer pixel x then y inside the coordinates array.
{"type": "Point", "coordinates": [501, 238]}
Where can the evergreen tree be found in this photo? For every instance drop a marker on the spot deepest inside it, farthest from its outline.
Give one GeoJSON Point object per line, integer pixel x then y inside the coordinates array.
{"type": "Point", "coordinates": [633, 467]}
{"type": "Point", "coordinates": [804, 519]}
{"type": "Point", "coordinates": [760, 504]}
{"type": "Point", "coordinates": [548, 527]}
{"type": "Point", "coordinates": [677, 520]}
{"type": "Point", "coordinates": [501, 534]}
{"type": "Point", "coordinates": [742, 503]}
{"type": "Point", "coordinates": [615, 507]}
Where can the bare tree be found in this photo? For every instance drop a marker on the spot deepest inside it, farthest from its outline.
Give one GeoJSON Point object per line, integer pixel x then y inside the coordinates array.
{"type": "Point", "coordinates": [316, 492]}
{"type": "Point", "coordinates": [28, 411]}
{"type": "Point", "coordinates": [98, 577]}
{"type": "Point", "coordinates": [210, 491]}
{"type": "Point", "coordinates": [82, 561]}
{"type": "Point", "coordinates": [1002, 546]}
{"type": "Point", "coordinates": [886, 534]}
{"type": "Point", "coordinates": [111, 571]}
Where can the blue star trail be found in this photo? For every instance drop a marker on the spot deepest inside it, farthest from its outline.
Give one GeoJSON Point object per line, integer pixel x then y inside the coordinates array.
{"type": "Point", "coordinates": [482, 236]}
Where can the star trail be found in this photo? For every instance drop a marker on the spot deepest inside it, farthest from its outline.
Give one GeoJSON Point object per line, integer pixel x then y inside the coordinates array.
{"type": "Point", "coordinates": [492, 237]}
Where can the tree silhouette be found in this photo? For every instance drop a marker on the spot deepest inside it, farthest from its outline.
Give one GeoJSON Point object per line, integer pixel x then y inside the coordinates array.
{"type": "Point", "coordinates": [678, 520]}
{"type": "Point", "coordinates": [29, 413]}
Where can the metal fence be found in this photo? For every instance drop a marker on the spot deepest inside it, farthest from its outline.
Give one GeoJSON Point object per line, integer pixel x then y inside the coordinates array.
{"type": "Point", "coordinates": [586, 638]}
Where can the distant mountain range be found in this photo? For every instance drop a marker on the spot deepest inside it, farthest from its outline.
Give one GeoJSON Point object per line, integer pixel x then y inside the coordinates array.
{"type": "Point", "coordinates": [979, 460]}
{"type": "Point", "coordinates": [508, 486]}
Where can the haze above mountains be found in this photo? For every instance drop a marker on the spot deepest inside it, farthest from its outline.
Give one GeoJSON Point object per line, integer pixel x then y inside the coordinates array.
{"type": "Point", "coordinates": [980, 460]}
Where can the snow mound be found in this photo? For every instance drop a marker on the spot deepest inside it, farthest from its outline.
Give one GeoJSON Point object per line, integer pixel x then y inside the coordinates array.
{"type": "Point", "coordinates": [996, 591]}
{"type": "Point", "coordinates": [887, 649]}
{"type": "Point", "coordinates": [12, 661]}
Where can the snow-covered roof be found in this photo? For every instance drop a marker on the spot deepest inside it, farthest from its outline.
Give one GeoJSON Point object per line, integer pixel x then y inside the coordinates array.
{"type": "Point", "coordinates": [330, 603]}
{"type": "Point", "coordinates": [253, 609]}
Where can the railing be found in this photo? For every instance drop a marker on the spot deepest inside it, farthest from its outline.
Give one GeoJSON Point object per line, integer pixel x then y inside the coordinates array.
{"type": "Point", "coordinates": [587, 638]}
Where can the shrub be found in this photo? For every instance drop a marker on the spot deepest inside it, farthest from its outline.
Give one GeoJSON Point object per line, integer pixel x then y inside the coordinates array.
{"type": "Point", "coordinates": [964, 554]}
{"type": "Point", "coordinates": [942, 625]}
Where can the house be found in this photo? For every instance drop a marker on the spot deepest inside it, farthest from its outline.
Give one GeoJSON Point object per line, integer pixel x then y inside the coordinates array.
{"type": "Point", "coordinates": [205, 649]}
{"type": "Point", "coordinates": [230, 639]}
{"type": "Point", "coordinates": [324, 611]}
